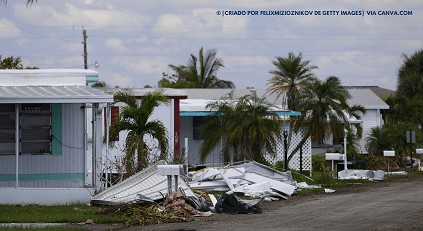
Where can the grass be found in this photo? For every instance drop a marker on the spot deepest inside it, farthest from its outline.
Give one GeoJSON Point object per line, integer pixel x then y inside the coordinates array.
{"type": "Point", "coordinates": [44, 229]}
{"type": "Point", "coordinates": [55, 214]}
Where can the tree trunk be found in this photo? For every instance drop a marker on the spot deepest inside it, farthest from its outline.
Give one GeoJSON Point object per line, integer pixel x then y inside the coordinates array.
{"type": "Point", "coordinates": [296, 149]}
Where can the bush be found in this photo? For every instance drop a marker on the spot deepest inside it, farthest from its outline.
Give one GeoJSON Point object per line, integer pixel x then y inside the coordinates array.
{"type": "Point", "coordinates": [320, 164]}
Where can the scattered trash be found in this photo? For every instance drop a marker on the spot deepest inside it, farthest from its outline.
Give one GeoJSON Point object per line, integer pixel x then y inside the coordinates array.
{"type": "Point", "coordinates": [355, 174]}
{"type": "Point", "coordinates": [305, 185]}
{"type": "Point", "coordinates": [327, 190]}
{"type": "Point", "coordinates": [229, 203]}
{"type": "Point", "coordinates": [397, 173]}
{"type": "Point", "coordinates": [87, 222]}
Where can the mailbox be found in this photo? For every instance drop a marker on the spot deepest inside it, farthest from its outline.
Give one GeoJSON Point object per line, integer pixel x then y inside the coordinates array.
{"type": "Point", "coordinates": [334, 156]}
{"type": "Point", "coordinates": [170, 170]}
{"type": "Point", "coordinates": [388, 153]}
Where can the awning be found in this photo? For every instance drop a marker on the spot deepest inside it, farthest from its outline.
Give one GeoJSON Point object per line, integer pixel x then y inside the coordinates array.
{"type": "Point", "coordinates": [209, 113]}
{"type": "Point", "coordinates": [198, 107]}
{"type": "Point", "coordinates": [53, 94]}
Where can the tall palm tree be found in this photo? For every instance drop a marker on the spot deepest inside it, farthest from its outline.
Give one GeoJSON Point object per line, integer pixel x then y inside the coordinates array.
{"type": "Point", "coordinates": [291, 74]}
{"type": "Point", "coordinates": [134, 119]}
{"type": "Point", "coordinates": [200, 72]}
{"type": "Point", "coordinates": [410, 75]}
{"type": "Point", "coordinates": [247, 126]}
{"type": "Point", "coordinates": [324, 109]}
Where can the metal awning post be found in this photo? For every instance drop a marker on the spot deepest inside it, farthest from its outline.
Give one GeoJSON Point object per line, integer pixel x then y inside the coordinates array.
{"type": "Point", "coordinates": [108, 118]}
{"type": "Point", "coordinates": [17, 145]}
{"type": "Point", "coordinates": [345, 149]}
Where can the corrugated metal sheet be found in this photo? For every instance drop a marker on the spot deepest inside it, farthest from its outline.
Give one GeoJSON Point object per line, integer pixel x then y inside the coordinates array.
{"type": "Point", "coordinates": [53, 94]}
{"type": "Point", "coordinates": [147, 183]}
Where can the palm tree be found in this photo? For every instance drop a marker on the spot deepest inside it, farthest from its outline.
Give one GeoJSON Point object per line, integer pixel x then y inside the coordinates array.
{"type": "Point", "coordinates": [410, 75]}
{"type": "Point", "coordinates": [247, 126]}
{"type": "Point", "coordinates": [28, 2]}
{"type": "Point", "coordinates": [324, 109]}
{"type": "Point", "coordinates": [291, 74]}
{"type": "Point", "coordinates": [377, 141]}
{"type": "Point", "coordinates": [200, 72]}
{"type": "Point", "coordinates": [134, 119]}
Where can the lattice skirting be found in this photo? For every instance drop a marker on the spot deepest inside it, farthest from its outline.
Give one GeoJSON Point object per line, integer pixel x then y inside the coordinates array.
{"type": "Point", "coordinates": [295, 161]}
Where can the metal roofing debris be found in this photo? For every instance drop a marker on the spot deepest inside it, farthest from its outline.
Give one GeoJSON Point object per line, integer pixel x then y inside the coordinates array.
{"type": "Point", "coordinates": [354, 174]}
{"type": "Point", "coordinates": [251, 178]}
{"type": "Point", "coordinates": [147, 183]}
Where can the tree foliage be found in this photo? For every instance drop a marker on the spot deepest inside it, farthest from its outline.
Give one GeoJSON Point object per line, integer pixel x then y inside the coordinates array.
{"type": "Point", "coordinates": [405, 109]}
{"type": "Point", "coordinates": [28, 2]}
{"type": "Point", "coordinates": [134, 118]}
{"type": "Point", "coordinates": [12, 62]}
{"type": "Point", "coordinates": [247, 127]}
{"type": "Point", "coordinates": [325, 110]}
{"type": "Point", "coordinates": [200, 72]}
{"type": "Point", "coordinates": [290, 76]}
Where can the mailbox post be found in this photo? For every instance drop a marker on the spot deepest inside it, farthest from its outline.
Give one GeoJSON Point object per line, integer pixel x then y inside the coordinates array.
{"type": "Point", "coordinates": [170, 170]}
{"type": "Point", "coordinates": [389, 154]}
{"type": "Point", "coordinates": [334, 157]}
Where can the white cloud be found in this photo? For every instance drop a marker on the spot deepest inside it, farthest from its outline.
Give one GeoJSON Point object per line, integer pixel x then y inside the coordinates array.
{"type": "Point", "coordinates": [150, 65]}
{"type": "Point", "coordinates": [145, 36]}
{"type": "Point", "coordinates": [71, 15]}
{"type": "Point", "coordinates": [8, 29]}
{"type": "Point", "coordinates": [113, 79]}
{"type": "Point", "coordinates": [116, 45]}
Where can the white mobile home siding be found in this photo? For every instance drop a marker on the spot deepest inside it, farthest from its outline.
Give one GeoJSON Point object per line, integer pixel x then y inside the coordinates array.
{"type": "Point", "coordinates": [65, 170]}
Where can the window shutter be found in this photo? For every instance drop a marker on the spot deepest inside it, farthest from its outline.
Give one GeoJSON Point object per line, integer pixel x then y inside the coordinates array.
{"type": "Point", "coordinates": [56, 129]}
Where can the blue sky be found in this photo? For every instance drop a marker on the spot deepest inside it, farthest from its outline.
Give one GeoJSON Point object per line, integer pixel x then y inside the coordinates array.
{"type": "Point", "coordinates": [135, 41]}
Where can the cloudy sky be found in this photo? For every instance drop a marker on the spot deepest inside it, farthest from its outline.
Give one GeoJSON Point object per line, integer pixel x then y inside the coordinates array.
{"type": "Point", "coordinates": [135, 41]}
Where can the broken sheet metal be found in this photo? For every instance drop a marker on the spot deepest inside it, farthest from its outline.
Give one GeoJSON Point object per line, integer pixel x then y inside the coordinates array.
{"type": "Point", "coordinates": [250, 178]}
{"type": "Point", "coordinates": [355, 174]}
{"type": "Point", "coordinates": [145, 184]}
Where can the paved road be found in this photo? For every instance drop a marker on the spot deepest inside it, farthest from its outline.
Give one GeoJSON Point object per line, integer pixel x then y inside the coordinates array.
{"type": "Point", "coordinates": [388, 206]}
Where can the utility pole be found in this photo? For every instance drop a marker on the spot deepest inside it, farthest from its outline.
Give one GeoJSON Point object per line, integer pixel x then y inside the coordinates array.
{"type": "Point", "coordinates": [84, 34]}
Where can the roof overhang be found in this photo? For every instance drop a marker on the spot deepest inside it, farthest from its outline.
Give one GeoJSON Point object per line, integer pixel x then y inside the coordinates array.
{"type": "Point", "coordinates": [198, 107]}
{"type": "Point", "coordinates": [53, 94]}
{"type": "Point", "coordinates": [210, 113]}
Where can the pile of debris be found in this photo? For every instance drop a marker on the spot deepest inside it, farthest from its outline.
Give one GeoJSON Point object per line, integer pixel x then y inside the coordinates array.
{"type": "Point", "coordinates": [145, 196]}
{"type": "Point", "coordinates": [252, 179]}
{"type": "Point", "coordinates": [356, 174]}
{"type": "Point", "coordinates": [175, 208]}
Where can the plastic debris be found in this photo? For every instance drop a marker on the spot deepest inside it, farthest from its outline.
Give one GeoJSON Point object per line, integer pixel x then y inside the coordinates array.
{"type": "Point", "coordinates": [327, 190]}
{"type": "Point", "coordinates": [355, 174]}
{"type": "Point", "coordinates": [229, 203]}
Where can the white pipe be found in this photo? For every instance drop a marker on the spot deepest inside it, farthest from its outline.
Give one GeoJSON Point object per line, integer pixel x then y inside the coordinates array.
{"type": "Point", "coordinates": [17, 144]}
{"type": "Point", "coordinates": [345, 149]}
{"type": "Point", "coordinates": [172, 129]}
{"type": "Point", "coordinates": [186, 156]}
